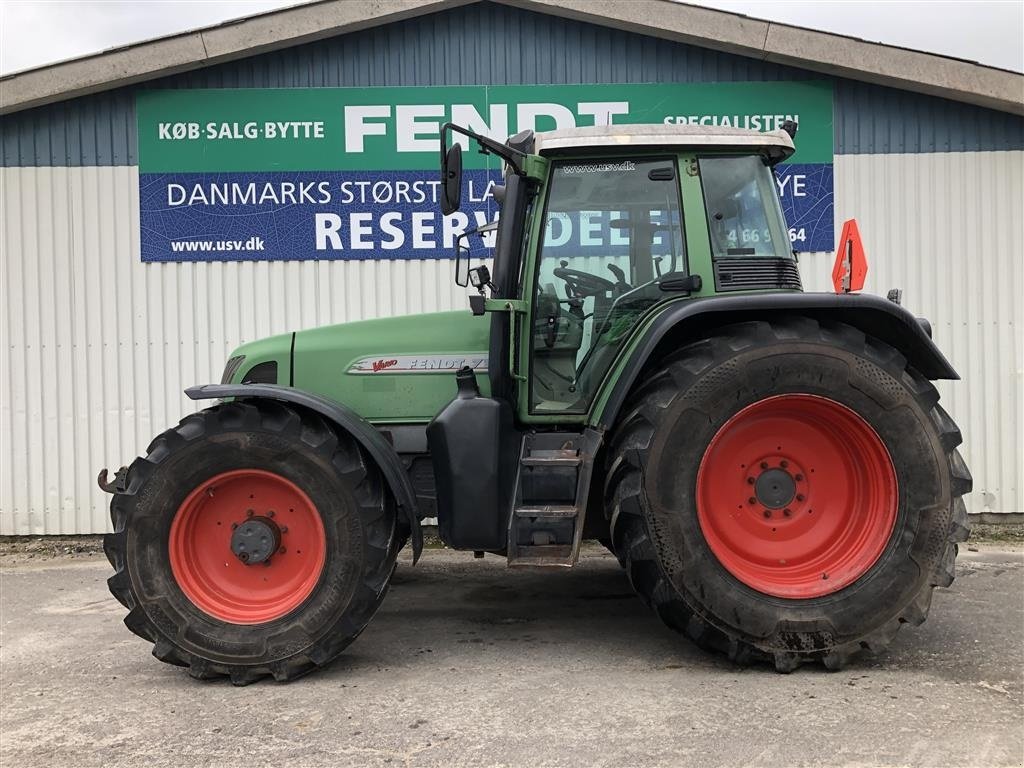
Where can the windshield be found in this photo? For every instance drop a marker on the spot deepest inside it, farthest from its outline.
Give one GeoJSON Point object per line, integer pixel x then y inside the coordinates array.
{"type": "Point", "coordinates": [612, 231]}
{"type": "Point", "coordinates": [742, 203]}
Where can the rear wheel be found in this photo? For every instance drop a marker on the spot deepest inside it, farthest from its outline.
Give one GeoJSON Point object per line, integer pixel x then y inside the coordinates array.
{"type": "Point", "coordinates": [787, 491]}
{"type": "Point", "coordinates": [253, 539]}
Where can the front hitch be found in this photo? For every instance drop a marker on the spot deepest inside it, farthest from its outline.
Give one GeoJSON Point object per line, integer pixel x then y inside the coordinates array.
{"type": "Point", "coordinates": [118, 485]}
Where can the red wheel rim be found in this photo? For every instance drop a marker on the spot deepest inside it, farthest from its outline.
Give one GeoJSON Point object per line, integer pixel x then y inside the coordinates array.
{"type": "Point", "coordinates": [214, 577]}
{"type": "Point", "coordinates": [797, 496]}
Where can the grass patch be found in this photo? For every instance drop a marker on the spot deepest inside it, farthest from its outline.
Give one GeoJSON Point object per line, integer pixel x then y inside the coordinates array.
{"type": "Point", "coordinates": [982, 533]}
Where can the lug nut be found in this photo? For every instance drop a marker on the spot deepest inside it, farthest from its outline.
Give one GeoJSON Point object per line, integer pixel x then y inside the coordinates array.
{"type": "Point", "coordinates": [764, 465]}
{"type": "Point", "coordinates": [783, 463]}
{"type": "Point", "coordinates": [799, 478]}
{"type": "Point", "coordinates": [249, 512]}
{"type": "Point", "coordinates": [234, 526]}
{"type": "Point", "coordinates": [787, 512]}
{"type": "Point", "coordinates": [266, 563]}
{"type": "Point", "coordinates": [800, 497]}
{"type": "Point", "coordinates": [752, 500]}
{"type": "Point", "coordinates": [270, 513]}
{"type": "Point", "coordinates": [284, 529]}
{"type": "Point", "coordinates": [281, 551]}
{"type": "Point", "coordinates": [243, 556]}
{"type": "Point", "coordinates": [767, 513]}
{"type": "Point", "coordinates": [750, 481]}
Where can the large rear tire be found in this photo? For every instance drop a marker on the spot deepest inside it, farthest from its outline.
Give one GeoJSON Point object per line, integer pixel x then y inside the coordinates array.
{"type": "Point", "coordinates": [253, 539]}
{"type": "Point", "coordinates": [787, 491]}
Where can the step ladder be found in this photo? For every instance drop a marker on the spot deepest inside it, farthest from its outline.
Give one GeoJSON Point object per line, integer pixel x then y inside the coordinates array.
{"type": "Point", "coordinates": [550, 501]}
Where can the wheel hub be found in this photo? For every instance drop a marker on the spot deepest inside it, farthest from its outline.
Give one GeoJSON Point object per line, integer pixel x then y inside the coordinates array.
{"type": "Point", "coordinates": [255, 540]}
{"type": "Point", "coordinates": [775, 488]}
{"type": "Point", "coordinates": [238, 519]}
{"type": "Point", "coordinates": [797, 496]}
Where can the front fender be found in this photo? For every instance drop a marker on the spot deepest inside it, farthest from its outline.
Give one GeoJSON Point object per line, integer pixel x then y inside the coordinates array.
{"type": "Point", "coordinates": [365, 433]}
{"type": "Point", "coordinates": [686, 321]}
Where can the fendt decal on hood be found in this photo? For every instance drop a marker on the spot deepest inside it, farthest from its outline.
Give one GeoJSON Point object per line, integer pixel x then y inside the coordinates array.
{"type": "Point", "coordinates": [419, 363]}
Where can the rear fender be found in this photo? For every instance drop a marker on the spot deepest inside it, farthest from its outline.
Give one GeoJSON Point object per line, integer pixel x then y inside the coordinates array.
{"type": "Point", "coordinates": [690, 320]}
{"type": "Point", "coordinates": [371, 440]}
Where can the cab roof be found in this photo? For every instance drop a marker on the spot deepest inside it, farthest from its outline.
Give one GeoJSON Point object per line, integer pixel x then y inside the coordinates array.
{"type": "Point", "coordinates": [778, 143]}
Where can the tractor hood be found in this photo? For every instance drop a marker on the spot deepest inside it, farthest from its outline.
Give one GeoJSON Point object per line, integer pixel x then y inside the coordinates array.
{"type": "Point", "coordinates": [396, 369]}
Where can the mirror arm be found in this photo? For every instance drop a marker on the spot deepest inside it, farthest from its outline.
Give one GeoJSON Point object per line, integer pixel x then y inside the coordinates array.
{"type": "Point", "coordinates": [513, 157]}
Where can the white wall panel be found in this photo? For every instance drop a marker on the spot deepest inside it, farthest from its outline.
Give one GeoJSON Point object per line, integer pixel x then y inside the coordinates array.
{"type": "Point", "coordinates": [949, 230]}
{"type": "Point", "coordinates": [97, 346]}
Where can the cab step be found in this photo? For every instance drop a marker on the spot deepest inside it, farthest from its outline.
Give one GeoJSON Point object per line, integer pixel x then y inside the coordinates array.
{"type": "Point", "coordinates": [550, 501]}
{"type": "Point", "coordinates": [558, 458]}
{"type": "Point", "coordinates": [545, 556]}
{"type": "Point", "coordinates": [550, 511]}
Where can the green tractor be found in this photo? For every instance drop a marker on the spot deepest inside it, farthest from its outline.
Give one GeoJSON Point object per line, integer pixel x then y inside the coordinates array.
{"type": "Point", "coordinates": [639, 366]}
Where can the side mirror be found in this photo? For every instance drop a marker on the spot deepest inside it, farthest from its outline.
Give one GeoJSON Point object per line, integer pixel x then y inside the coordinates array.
{"type": "Point", "coordinates": [463, 252]}
{"type": "Point", "coordinates": [462, 260]}
{"type": "Point", "coordinates": [451, 180]}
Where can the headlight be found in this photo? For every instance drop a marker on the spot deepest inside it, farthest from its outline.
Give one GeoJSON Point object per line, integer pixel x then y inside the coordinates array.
{"type": "Point", "coordinates": [231, 368]}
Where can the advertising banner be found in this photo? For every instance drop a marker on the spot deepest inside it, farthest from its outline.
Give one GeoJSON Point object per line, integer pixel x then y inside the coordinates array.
{"type": "Point", "coordinates": [352, 173]}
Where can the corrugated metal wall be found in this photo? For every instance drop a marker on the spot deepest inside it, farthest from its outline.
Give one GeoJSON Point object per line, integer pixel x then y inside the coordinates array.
{"type": "Point", "coordinates": [99, 345]}
{"type": "Point", "coordinates": [498, 45]}
{"type": "Point", "coordinates": [947, 229]}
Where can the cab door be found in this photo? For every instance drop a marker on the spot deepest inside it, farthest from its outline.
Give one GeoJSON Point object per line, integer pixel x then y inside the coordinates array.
{"type": "Point", "coordinates": [610, 234]}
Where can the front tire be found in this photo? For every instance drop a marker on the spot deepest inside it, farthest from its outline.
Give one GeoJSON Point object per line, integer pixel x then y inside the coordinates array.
{"type": "Point", "coordinates": [787, 491]}
{"type": "Point", "coordinates": [253, 539]}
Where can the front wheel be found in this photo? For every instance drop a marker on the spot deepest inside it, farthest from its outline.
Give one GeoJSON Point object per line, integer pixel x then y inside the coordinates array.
{"type": "Point", "coordinates": [788, 491]}
{"type": "Point", "coordinates": [253, 539]}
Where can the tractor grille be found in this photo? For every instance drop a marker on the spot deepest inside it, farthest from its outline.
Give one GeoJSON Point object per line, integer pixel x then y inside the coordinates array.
{"type": "Point", "coordinates": [752, 273]}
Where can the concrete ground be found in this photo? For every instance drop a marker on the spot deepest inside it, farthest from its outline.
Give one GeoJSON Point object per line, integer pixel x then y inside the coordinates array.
{"type": "Point", "coordinates": [470, 664]}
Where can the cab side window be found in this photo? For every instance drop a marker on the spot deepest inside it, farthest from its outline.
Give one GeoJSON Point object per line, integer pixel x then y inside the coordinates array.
{"type": "Point", "coordinates": [742, 207]}
{"type": "Point", "coordinates": [612, 232]}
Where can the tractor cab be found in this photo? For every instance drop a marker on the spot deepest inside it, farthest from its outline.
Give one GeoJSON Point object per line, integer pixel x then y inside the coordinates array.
{"type": "Point", "coordinates": [602, 224]}
{"type": "Point", "coordinates": [600, 229]}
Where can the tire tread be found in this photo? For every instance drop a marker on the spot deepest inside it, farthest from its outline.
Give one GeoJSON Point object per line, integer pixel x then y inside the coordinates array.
{"type": "Point", "coordinates": [316, 432]}
{"type": "Point", "coordinates": [632, 437]}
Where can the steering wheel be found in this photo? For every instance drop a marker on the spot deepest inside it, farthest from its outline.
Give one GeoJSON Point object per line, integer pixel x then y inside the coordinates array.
{"type": "Point", "coordinates": [582, 284]}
